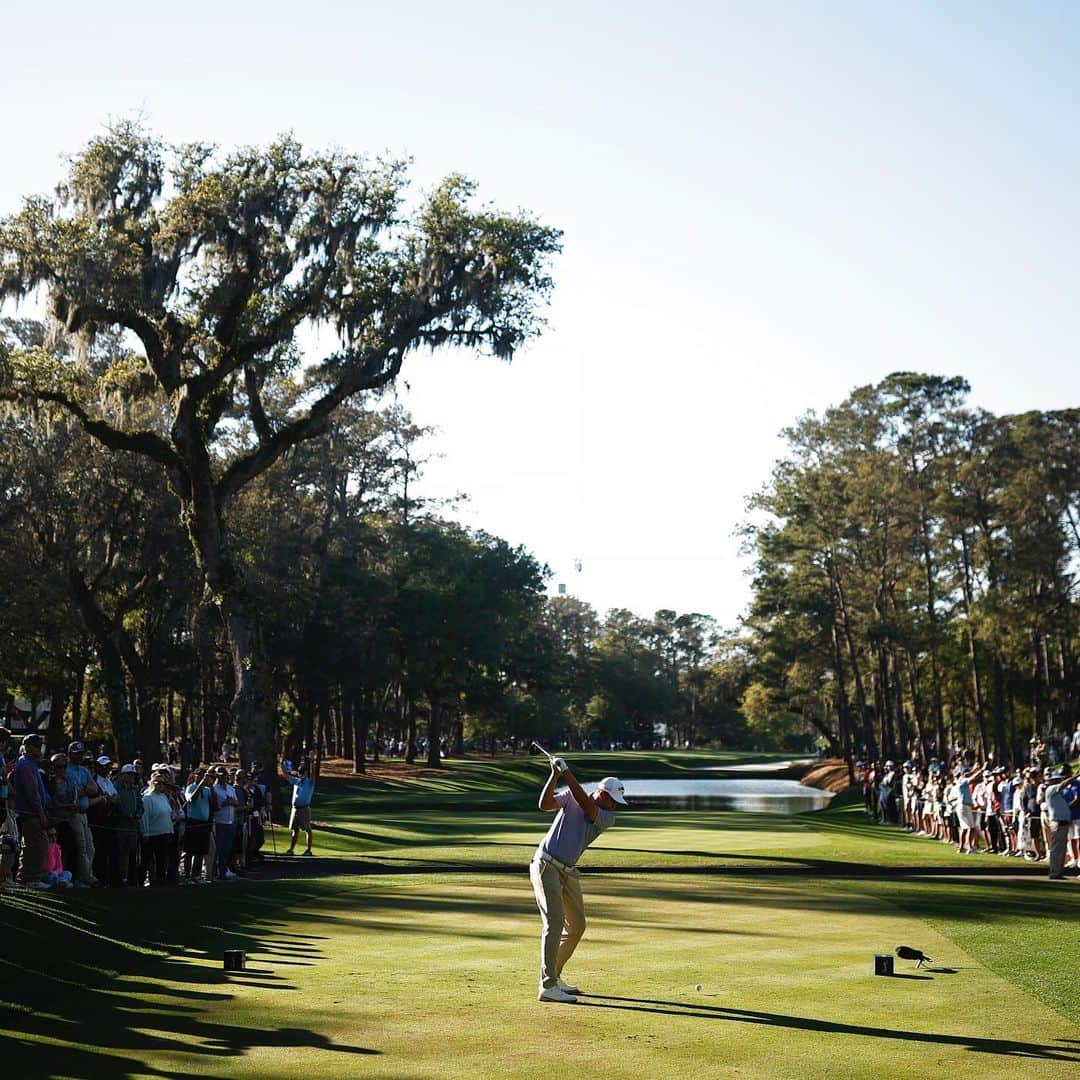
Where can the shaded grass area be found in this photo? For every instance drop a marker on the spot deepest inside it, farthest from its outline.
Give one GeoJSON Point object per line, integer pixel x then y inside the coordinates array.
{"type": "Point", "coordinates": [433, 976]}
{"type": "Point", "coordinates": [69, 958]}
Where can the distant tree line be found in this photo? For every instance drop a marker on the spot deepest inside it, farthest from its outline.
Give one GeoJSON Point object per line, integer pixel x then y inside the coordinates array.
{"type": "Point", "coordinates": [915, 569]}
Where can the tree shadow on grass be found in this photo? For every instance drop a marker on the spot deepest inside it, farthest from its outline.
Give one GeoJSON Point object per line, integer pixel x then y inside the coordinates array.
{"type": "Point", "coordinates": [118, 1022]}
{"type": "Point", "coordinates": [1002, 1047]}
{"type": "Point", "coordinates": [102, 982]}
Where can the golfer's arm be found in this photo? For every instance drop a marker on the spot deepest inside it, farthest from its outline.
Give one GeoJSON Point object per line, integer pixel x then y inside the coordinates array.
{"type": "Point", "coordinates": [547, 796]}
{"type": "Point", "coordinates": [580, 797]}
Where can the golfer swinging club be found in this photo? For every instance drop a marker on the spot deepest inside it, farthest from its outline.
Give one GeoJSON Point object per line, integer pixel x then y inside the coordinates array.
{"type": "Point", "coordinates": [581, 818]}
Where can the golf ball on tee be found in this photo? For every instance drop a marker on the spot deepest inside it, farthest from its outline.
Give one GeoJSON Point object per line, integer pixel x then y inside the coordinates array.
{"type": "Point", "coordinates": [698, 987]}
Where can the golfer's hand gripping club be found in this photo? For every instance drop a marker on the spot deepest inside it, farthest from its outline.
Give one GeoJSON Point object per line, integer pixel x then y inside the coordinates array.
{"type": "Point", "coordinates": [559, 764]}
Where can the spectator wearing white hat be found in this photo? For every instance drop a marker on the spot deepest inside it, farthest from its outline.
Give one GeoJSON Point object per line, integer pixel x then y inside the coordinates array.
{"type": "Point", "coordinates": [99, 814]}
{"type": "Point", "coordinates": [126, 817]}
{"type": "Point", "coordinates": [157, 830]}
{"type": "Point", "coordinates": [579, 819]}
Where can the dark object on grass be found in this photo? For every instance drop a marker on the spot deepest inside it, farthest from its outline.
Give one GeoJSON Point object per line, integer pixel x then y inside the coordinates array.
{"type": "Point", "coordinates": [905, 952]}
{"type": "Point", "coordinates": [883, 964]}
{"type": "Point", "coordinates": [234, 959]}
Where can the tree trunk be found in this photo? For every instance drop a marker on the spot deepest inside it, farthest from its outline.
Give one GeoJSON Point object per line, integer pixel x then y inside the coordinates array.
{"type": "Point", "coordinates": [58, 698]}
{"type": "Point", "coordinates": [250, 703]}
{"type": "Point", "coordinates": [968, 593]}
{"type": "Point", "coordinates": [860, 691]}
{"type": "Point", "coordinates": [359, 736]}
{"type": "Point", "coordinates": [410, 730]}
{"type": "Point", "coordinates": [148, 719]}
{"type": "Point", "coordinates": [348, 719]}
{"type": "Point", "coordinates": [843, 708]}
{"type": "Point", "coordinates": [77, 700]}
{"type": "Point", "coordinates": [932, 616]}
{"type": "Point", "coordinates": [434, 732]}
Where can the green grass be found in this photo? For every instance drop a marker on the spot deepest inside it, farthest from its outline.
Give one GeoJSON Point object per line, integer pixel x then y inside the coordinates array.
{"type": "Point", "coordinates": [430, 973]}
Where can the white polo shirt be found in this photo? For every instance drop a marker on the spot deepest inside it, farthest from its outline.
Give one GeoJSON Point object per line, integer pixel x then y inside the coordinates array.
{"type": "Point", "coordinates": [225, 815]}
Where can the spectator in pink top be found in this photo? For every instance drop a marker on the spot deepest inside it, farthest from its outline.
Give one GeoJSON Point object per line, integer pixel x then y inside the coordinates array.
{"type": "Point", "coordinates": [55, 874]}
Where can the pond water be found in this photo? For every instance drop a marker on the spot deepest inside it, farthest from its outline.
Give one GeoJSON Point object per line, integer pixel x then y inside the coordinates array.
{"type": "Point", "coordinates": [757, 796]}
{"type": "Point", "coordinates": [759, 767]}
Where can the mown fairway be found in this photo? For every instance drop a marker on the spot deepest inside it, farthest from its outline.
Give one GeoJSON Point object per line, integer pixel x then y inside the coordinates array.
{"type": "Point", "coordinates": [430, 970]}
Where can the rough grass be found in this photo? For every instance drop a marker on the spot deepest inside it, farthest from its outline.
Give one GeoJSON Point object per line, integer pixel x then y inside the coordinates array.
{"type": "Point", "coordinates": [432, 974]}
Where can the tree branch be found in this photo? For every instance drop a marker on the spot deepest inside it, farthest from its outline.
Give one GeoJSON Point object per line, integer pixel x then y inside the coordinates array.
{"type": "Point", "coordinates": [310, 426]}
{"type": "Point", "coordinates": [146, 443]}
{"type": "Point", "coordinates": [166, 370]}
{"type": "Point", "coordinates": [259, 419]}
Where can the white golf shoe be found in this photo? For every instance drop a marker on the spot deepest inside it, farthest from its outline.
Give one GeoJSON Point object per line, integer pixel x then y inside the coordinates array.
{"type": "Point", "coordinates": [554, 993]}
{"type": "Point", "coordinates": [566, 988]}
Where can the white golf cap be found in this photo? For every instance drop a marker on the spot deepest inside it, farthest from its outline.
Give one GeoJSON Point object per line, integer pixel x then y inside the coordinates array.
{"type": "Point", "coordinates": [614, 787]}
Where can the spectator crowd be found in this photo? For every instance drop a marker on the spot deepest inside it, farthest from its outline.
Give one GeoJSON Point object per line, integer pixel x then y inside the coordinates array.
{"type": "Point", "coordinates": [73, 819]}
{"type": "Point", "coordinates": [1030, 811]}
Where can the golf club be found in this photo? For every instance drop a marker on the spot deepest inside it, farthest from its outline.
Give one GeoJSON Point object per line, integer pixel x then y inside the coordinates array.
{"type": "Point", "coordinates": [542, 750]}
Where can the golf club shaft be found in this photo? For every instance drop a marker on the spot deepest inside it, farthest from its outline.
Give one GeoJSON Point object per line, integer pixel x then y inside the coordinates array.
{"type": "Point", "coordinates": [542, 750]}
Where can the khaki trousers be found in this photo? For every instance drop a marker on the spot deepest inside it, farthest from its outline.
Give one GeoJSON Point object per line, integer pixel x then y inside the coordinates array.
{"type": "Point", "coordinates": [562, 916]}
{"type": "Point", "coordinates": [1057, 842]}
{"type": "Point", "coordinates": [84, 850]}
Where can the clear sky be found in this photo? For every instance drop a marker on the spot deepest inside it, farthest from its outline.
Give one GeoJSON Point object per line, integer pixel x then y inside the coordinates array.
{"type": "Point", "coordinates": [765, 205]}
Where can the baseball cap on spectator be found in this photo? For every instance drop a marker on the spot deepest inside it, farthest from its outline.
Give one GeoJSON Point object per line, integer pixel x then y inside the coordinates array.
{"type": "Point", "coordinates": [104, 760]}
{"type": "Point", "coordinates": [129, 768]}
{"type": "Point", "coordinates": [33, 740]}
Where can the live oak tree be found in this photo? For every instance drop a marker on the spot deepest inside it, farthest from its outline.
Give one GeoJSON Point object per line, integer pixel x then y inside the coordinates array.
{"type": "Point", "coordinates": [222, 271]}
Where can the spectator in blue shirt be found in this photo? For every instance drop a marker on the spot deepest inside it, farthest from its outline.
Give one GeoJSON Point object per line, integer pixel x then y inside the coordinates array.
{"type": "Point", "coordinates": [1071, 795]}
{"type": "Point", "coordinates": [303, 785]}
{"type": "Point", "coordinates": [83, 785]}
{"type": "Point", "coordinates": [197, 833]}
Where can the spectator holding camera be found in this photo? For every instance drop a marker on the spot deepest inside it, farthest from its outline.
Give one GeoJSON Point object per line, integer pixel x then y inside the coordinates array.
{"type": "Point", "coordinates": [224, 806]}
{"type": "Point", "coordinates": [197, 833]}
